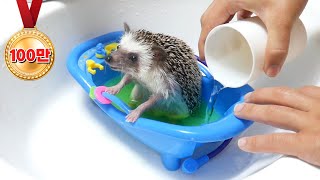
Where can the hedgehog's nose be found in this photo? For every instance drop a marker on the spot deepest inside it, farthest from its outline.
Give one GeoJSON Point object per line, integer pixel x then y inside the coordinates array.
{"type": "Point", "coordinates": [109, 58]}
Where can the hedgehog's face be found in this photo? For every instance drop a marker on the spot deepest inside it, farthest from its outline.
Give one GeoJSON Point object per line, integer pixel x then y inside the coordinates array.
{"type": "Point", "coordinates": [134, 56]}
{"type": "Point", "coordinates": [131, 56]}
{"type": "Point", "coordinates": [123, 60]}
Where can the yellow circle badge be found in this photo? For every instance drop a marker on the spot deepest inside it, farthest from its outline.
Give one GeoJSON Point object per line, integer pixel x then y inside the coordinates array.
{"type": "Point", "coordinates": [29, 54]}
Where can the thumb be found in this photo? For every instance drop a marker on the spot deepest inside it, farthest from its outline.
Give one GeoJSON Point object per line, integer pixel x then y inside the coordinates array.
{"type": "Point", "coordinates": [277, 47]}
{"type": "Point", "coordinates": [280, 143]}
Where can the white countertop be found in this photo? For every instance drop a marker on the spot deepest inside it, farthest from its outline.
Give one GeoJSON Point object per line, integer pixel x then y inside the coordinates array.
{"type": "Point", "coordinates": [284, 168]}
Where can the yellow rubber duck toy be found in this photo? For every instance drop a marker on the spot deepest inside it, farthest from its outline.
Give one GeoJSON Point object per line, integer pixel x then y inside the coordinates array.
{"type": "Point", "coordinates": [91, 66]}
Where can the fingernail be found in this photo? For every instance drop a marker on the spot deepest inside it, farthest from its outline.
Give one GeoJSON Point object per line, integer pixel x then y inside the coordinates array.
{"type": "Point", "coordinates": [242, 142]}
{"type": "Point", "coordinates": [238, 108]}
{"type": "Point", "coordinates": [273, 70]}
{"type": "Point", "coordinates": [247, 97]}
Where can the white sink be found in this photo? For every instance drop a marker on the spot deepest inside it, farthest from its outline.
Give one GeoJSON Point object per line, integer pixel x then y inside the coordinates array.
{"type": "Point", "coordinates": [50, 129]}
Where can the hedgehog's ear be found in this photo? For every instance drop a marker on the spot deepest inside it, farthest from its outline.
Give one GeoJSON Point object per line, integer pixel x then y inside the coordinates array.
{"type": "Point", "coordinates": [126, 27]}
{"type": "Point", "coordinates": [159, 54]}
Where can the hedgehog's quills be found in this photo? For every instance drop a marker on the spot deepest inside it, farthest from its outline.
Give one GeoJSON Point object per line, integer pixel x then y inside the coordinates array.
{"type": "Point", "coordinates": [164, 69]}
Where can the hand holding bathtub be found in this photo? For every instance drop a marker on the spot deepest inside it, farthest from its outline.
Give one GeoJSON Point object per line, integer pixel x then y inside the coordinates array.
{"type": "Point", "coordinates": [269, 11]}
{"type": "Point", "coordinates": [297, 110]}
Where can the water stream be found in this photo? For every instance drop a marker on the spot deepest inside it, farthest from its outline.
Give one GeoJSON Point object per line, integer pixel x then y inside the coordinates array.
{"type": "Point", "coordinates": [213, 98]}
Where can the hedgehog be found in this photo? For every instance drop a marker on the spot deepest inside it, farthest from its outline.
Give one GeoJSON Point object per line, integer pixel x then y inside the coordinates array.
{"type": "Point", "coordinates": [164, 69]}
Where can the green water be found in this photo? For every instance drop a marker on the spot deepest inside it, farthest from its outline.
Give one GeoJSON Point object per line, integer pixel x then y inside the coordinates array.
{"type": "Point", "coordinates": [196, 119]}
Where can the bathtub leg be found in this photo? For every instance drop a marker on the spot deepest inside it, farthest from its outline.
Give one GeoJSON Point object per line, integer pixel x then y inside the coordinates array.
{"type": "Point", "coordinates": [170, 162]}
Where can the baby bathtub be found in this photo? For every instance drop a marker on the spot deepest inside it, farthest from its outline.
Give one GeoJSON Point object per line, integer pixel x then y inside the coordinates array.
{"type": "Point", "coordinates": [173, 142]}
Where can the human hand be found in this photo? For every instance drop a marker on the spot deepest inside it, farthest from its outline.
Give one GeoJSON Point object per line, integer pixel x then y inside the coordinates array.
{"type": "Point", "coordinates": [292, 109]}
{"type": "Point", "coordinates": [278, 16]}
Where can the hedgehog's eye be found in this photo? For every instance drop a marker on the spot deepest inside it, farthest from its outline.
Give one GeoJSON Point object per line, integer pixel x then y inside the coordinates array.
{"type": "Point", "coordinates": [133, 57]}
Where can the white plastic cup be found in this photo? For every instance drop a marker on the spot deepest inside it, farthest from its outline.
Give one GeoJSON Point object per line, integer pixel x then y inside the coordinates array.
{"type": "Point", "coordinates": [235, 51]}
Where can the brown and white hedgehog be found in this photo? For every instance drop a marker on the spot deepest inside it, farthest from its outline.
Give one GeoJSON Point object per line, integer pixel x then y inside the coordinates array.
{"type": "Point", "coordinates": [164, 69]}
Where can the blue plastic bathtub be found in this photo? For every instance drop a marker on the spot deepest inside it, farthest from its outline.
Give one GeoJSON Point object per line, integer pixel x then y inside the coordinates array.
{"type": "Point", "coordinates": [174, 143]}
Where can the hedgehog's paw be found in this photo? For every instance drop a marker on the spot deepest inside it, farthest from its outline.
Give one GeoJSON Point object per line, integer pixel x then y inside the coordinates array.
{"type": "Point", "coordinates": [133, 115]}
{"type": "Point", "coordinates": [113, 89]}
